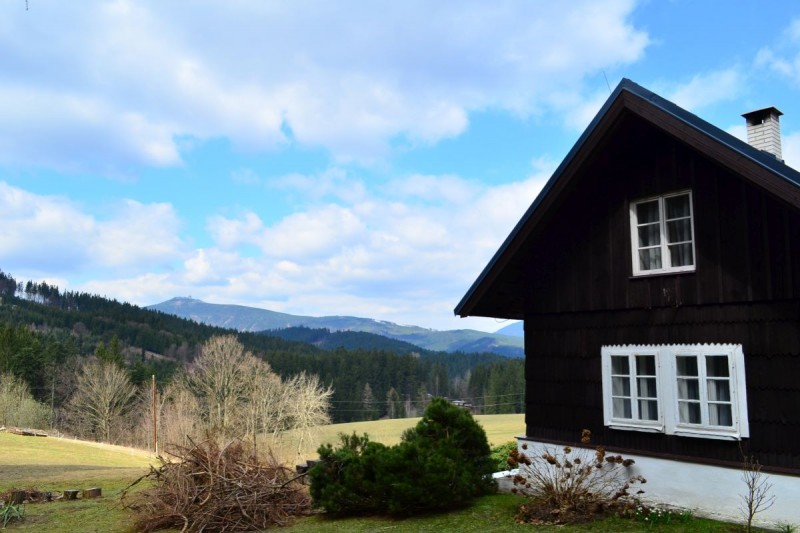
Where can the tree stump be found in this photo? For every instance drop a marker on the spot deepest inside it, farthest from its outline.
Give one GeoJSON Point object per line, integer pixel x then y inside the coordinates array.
{"type": "Point", "coordinates": [94, 492]}
{"type": "Point", "coordinates": [71, 494]}
{"type": "Point", "coordinates": [17, 497]}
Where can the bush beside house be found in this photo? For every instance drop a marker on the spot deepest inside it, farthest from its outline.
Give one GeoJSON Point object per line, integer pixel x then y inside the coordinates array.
{"type": "Point", "coordinates": [441, 463]}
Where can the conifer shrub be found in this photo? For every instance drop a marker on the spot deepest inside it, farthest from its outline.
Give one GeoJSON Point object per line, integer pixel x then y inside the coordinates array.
{"type": "Point", "coordinates": [345, 481]}
{"type": "Point", "coordinates": [501, 455]}
{"type": "Point", "coordinates": [441, 463]}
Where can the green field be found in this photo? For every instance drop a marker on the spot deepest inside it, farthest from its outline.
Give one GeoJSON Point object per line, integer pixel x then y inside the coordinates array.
{"type": "Point", "coordinates": [499, 428]}
{"type": "Point", "coordinates": [51, 464]}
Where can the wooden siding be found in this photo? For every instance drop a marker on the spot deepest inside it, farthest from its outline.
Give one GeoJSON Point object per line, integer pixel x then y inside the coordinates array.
{"type": "Point", "coordinates": [747, 242]}
{"type": "Point", "coordinates": [563, 376]}
{"type": "Point", "coordinates": [578, 294]}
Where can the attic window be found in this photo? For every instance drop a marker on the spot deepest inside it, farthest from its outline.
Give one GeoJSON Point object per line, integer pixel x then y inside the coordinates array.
{"type": "Point", "coordinates": [686, 390]}
{"type": "Point", "coordinates": [662, 234]}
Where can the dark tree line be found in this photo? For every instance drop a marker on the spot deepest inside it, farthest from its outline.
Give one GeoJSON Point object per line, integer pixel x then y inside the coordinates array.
{"type": "Point", "coordinates": [42, 330]}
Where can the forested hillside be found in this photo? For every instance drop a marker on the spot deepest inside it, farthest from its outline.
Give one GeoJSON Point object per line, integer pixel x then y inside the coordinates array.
{"type": "Point", "coordinates": [243, 318]}
{"type": "Point", "coordinates": [47, 336]}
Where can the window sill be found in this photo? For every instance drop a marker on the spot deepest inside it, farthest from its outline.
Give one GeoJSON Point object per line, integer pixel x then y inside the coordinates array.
{"type": "Point", "coordinates": [700, 434]}
{"type": "Point", "coordinates": [631, 427]}
{"type": "Point", "coordinates": [661, 274]}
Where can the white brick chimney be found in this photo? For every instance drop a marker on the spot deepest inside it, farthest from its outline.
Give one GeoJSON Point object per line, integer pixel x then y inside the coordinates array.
{"type": "Point", "coordinates": [764, 130]}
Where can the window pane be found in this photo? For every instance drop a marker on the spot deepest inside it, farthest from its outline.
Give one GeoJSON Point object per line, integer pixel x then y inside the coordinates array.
{"type": "Point", "coordinates": [687, 365]}
{"type": "Point", "coordinates": [717, 366]}
{"type": "Point", "coordinates": [620, 387]}
{"type": "Point", "coordinates": [679, 230]}
{"type": "Point", "coordinates": [650, 259]}
{"type": "Point", "coordinates": [681, 254]}
{"type": "Point", "coordinates": [649, 235]}
{"type": "Point", "coordinates": [646, 388]}
{"type": "Point", "coordinates": [677, 206]}
{"type": "Point", "coordinates": [689, 412]}
{"type": "Point", "coordinates": [647, 212]}
{"type": "Point", "coordinates": [648, 410]}
{"type": "Point", "coordinates": [719, 390]}
{"type": "Point", "coordinates": [619, 365]}
{"type": "Point", "coordinates": [645, 365]}
{"type": "Point", "coordinates": [622, 408]}
{"type": "Point", "coordinates": [688, 389]}
{"type": "Point", "coordinates": [719, 414]}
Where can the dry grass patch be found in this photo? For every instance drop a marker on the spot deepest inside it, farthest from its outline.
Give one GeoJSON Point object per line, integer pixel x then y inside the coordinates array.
{"type": "Point", "coordinates": [498, 428]}
{"type": "Point", "coordinates": [50, 461]}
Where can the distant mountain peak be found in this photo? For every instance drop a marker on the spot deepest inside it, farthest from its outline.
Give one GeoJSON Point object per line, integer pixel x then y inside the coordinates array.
{"type": "Point", "coordinates": [254, 319]}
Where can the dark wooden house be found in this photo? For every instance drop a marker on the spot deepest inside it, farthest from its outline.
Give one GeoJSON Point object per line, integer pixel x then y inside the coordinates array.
{"type": "Point", "coordinates": [658, 277]}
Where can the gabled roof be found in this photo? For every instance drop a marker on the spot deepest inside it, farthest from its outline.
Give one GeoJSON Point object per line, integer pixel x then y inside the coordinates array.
{"type": "Point", "coordinates": [762, 168]}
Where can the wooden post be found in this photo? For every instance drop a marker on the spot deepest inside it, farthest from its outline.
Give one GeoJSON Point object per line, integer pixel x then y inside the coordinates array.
{"type": "Point", "coordinates": [155, 425]}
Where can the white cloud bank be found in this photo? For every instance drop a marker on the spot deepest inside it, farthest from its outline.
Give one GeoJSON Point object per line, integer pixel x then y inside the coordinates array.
{"type": "Point", "coordinates": [52, 236]}
{"type": "Point", "coordinates": [407, 262]}
{"type": "Point", "coordinates": [110, 86]}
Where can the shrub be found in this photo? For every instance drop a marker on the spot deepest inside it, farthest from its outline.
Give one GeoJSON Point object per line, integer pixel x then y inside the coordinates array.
{"type": "Point", "coordinates": [441, 463]}
{"type": "Point", "coordinates": [500, 455]}
{"type": "Point", "coordinates": [569, 485]}
{"type": "Point", "coordinates": [346, 479]}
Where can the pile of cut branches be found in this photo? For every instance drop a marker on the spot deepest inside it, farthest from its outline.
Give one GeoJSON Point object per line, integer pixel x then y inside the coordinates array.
{"type": "Point", "coordinates": [213, 489]}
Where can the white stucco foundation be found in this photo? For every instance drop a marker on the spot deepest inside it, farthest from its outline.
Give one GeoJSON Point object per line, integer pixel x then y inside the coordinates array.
{"type": "Point", "coordinates": [709, 491]}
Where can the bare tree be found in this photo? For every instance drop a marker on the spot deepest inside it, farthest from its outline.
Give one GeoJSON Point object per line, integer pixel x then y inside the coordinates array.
{"type": "Point", "coordinates": [264, 405]}
{"type": "Point", "coordinates": [759, 495]}
{"type": "Point", "coordinates": [309, 409]}
{"type": "Point", "coordinates": [220, 378]}
{"type": "Point", "coordinates": [18, 407]}
{"type": "Point", "coordinates": [180, 416]}
{"type": "Point", "coordinates": [102, 398]}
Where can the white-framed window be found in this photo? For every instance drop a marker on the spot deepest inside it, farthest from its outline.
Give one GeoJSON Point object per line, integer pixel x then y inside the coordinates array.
{"type": "Point", "coordinates": [662, 234]}
{"type": "Point", "coordinates": [690, 390]}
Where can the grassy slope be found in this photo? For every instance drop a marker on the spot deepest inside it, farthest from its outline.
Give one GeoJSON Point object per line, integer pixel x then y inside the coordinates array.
{"type": "Point", "coordinates": [51, 464]}
{"type": "Point", "coordinates": [499, 428]}
{"type": "Point", "coordinates": [59, 464]}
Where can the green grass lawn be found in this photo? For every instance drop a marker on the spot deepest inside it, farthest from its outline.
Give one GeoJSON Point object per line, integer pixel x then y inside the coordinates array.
{"type": "Point", "coordinates": [50, 464]}
{"type": "Point", "coordinates": [495, 514]}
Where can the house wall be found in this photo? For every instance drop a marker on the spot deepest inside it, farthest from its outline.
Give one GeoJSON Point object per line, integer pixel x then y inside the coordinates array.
{"type": "Point", "coordinates": [714, 492]}
{"type": "Point", "coordinates": [747, 242]}
{"type": "Point", "coordinates": [563, 377]}
{"type": "Point", "coordinates": [745, 290]}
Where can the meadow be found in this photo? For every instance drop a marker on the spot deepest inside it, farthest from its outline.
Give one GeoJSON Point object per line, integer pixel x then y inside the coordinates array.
{"type": "Point", "coordinates": [53, 464]}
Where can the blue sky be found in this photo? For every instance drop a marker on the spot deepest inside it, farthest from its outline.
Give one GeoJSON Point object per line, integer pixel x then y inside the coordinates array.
{"type": "Point", "coordinates": [322, 158]}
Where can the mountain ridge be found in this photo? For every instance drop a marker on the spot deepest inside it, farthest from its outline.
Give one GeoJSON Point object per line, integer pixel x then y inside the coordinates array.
{"type": "Point", "coordinates": [253, 319]}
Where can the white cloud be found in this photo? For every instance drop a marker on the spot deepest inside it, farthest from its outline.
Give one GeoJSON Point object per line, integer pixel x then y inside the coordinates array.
{"type": "Point", "coordinates": [790, 148]}
{"type": "Point", "coordinates": [784, 56]}
{"type": "Point", "coordinates": [739, 131]}
{"type": "Point", "coordinates": [406, 262]}
{"type": "Point", "coordinates": [332, 183]}
{"type": "Point", "coordinates": [582, 110]}
{"type": "Point", "coordinates": [450, 189]}
{"type": "Point", "coordinates": [707, 89]}
{"type": "Point", "coordinates": [109, 87]}
{"type": "Point", "coordinates": [51, 235]}
{"type": "Point", "coordinates": [138, 234]}
{"type": "Point", "coordinates": [41, 231]}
